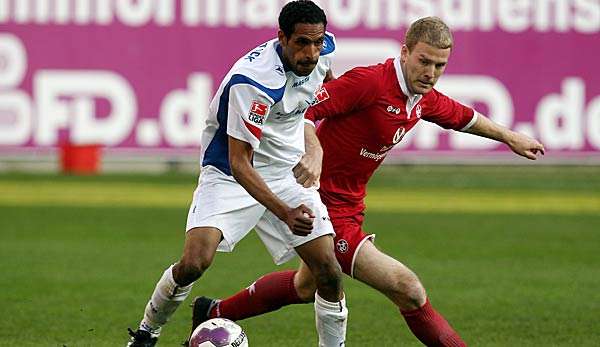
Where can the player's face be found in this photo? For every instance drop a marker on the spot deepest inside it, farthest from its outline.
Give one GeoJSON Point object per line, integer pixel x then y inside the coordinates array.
{"type": "Point", "coordinates": [423, 66]}
{"type": "Point", "coordinates": [302, 49]}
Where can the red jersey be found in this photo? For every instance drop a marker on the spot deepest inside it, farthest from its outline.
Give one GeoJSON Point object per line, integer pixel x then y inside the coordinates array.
{"type": "Point", "coordinates": [364, 114]}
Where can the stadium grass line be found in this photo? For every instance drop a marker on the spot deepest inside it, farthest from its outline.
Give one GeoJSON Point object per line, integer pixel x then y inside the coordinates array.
{"type": "Point", "coordinates": [469, 200]}
{"type": "Point", "coordinates": [485, 201]}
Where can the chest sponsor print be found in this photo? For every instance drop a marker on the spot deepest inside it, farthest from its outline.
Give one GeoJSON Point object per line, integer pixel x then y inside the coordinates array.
{"type": "Point", "coordinates": [398, 135]}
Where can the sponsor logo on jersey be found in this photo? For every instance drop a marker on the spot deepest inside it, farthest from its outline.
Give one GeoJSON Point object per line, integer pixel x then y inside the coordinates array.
{"type": "Point", "coordinates": [300, 82]}
{"type": "Point", "coordinates": [280, 70]}
{"type": "Point", "coordinates": [418, 111]}
{"type": "Point", "coordinates": [370, 155]}
{"type": "Point", "coordinates": [297, 112]}
{"type": "Point", "coordinates": [342, 246]}
{"type": "Point", "coordinates": [392, 109]}
{"type": "Point", "coordinates": [258, 111]}
{"type": "Point", "coordinates": [398, 135]}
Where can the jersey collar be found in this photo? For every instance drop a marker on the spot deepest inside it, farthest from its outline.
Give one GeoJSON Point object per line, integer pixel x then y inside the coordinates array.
{"type": "Point", "coordinates": [412, 99]}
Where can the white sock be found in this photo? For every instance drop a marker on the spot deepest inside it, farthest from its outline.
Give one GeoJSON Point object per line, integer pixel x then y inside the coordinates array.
{"type": "Point", "coordinates": [331, 320]}
{"type": "Point", "coordinates": [164, 301]}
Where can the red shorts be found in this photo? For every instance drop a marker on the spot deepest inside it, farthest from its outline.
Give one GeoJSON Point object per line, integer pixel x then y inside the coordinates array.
{"type": "Point", "coordinates": [349, 237]}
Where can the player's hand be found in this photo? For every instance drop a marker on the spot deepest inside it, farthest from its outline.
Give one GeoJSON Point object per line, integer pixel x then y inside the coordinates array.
{"type": "Point", "coordinates": [308, 170]}
{"type": "Point", "coordinates": [525, 146]}
{"type": "Point", "coordinates": [300, 220]}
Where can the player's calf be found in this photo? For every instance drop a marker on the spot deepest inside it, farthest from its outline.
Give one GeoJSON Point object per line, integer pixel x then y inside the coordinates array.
{"type": "Point", "coordinates": [330, 306]}
{"type": "Point", "coordinates": [305, 284]}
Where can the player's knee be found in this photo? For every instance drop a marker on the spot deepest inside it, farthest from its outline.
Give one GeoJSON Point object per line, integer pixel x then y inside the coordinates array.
{"type": "Point", "coordinates": [328, 275]}
{"type": "Point", "coordinates": [189, 270]}
{"type": "Point", "coordinates": [408, 292]}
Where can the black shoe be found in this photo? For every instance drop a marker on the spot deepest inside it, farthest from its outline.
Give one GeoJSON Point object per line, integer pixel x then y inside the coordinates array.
{"type": "Point", "coordinates": [141, 338]}
{"type": "Point", "coordinates": [201, 306]}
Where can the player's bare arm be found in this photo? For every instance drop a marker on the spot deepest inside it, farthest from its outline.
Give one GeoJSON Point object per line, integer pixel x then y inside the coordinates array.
{"type": "Point", "coordinates": [299, 219]}
{"type": "Point", "coordinates": [308, 170]}
{"type": "Point", "coordinates": [519, 143]}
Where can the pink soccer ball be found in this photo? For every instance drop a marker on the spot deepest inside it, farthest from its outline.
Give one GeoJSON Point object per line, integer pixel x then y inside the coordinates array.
{"type": "Point", "coordinates": [219, 332]}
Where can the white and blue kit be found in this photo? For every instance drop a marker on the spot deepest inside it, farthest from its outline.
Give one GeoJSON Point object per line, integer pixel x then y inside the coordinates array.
{"type": "Point", "coordinates": [263, 104]}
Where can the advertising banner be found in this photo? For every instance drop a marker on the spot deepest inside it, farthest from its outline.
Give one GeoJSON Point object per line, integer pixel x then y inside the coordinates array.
{"type": "Point", "coordinates": [139, 74]}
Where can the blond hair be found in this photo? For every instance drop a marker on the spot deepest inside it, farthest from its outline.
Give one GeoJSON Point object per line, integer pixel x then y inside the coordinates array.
{"type": "Point", "coordinates": [430, 30]}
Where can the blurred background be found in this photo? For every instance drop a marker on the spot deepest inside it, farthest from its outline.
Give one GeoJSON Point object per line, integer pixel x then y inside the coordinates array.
{"type": "Point", "coordinates": [135, 77]}
{"type": "Point", "coordinates": [118, 90]}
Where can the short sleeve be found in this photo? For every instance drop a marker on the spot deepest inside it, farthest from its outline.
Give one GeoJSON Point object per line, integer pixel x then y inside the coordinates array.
{"type": "Point", "coordinates": [354, 90]}
{"type": "Point", "coordinates": [248, 109]}
{"type": "Point", "coordinates": [447, 112]}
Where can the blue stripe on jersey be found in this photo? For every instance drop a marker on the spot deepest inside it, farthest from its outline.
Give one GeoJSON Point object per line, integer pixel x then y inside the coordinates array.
{"type": "Point", "coordinates": [217, 152]}
{"type": "Point", "coordinates": [328, 45]}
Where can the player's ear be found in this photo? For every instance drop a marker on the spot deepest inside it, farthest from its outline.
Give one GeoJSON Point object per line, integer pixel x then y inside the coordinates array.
{"type": "Point", "coordinates": [282, 38]}
{"type": "Point", "coordinates": [404, 54]}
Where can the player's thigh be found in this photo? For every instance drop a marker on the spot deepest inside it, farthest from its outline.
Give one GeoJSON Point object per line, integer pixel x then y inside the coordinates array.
{"type": "Point", "coordinates": [219, 202]}
{"type": "Point", "coordinates": [349, 238]}
{"type": "Point", "coordinates": [283, 244]}
{"type": "Point", "coordinates": [388, 276]}
{"type": "Point", "coordinates": [317, 253]}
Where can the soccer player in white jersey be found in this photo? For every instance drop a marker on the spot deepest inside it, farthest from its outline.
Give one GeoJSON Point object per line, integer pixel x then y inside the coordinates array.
{"type": "Point", "coordinates": [253, 139]}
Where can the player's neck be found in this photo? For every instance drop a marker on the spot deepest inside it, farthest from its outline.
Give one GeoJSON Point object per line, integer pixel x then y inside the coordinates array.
{"type": "Point", "coordinates": [411, 94]}
{"type": "Point", "coordinates": [284, 61]}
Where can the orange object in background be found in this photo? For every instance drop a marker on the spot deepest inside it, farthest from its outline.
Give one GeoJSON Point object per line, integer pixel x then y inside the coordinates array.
{"type": "Point", "coordinates": [80, 159]}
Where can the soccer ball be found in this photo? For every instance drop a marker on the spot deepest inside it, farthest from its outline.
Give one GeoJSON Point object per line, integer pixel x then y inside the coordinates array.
{"type": "Point", "coordinates": [218, 332]}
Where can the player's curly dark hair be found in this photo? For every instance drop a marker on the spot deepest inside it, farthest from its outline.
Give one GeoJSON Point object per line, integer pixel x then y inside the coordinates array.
{"type": "Point", "coordinates": [300, 11]}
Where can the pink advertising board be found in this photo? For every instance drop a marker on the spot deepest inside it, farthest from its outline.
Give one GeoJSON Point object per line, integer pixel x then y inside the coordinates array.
{"type": "Point", "coordinates": [139, 74]}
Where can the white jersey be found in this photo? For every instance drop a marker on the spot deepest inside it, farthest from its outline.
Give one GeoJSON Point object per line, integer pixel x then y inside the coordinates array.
{"type": "Point", "coordinates": [261, 103]}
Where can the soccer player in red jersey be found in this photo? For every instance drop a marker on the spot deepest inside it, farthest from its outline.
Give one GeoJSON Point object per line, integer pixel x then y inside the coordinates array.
{"type": "Point", "coordinates": [363, 114]}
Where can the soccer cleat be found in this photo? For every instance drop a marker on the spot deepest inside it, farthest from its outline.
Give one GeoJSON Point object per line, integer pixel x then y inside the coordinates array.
{"type": "Point", "coordinates": [201, 307]}
{"type": "Point", "coordinates": [141, 338]}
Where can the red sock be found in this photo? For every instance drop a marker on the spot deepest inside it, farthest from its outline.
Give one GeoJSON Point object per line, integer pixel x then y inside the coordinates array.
{"type": "Point", "coordinates": [431, 328]}
{"type": "Point", "coordinates": [269, 293]}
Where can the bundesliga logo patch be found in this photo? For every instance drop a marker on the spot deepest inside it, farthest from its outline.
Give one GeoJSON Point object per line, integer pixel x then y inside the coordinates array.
{"type": "Point", "coordinates": [320, 95]}
{"type": "Point", "coordinates": [258, 111]}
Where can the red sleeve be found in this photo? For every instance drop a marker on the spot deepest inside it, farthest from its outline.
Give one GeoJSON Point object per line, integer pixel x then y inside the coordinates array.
{"type": "Point", "coordinates": [354, 90]}
{"type": "Point", "coordinates": [446, 112]}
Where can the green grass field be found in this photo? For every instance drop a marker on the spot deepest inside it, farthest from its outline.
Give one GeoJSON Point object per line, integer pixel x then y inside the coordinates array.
{"type": "Point", "coordinates": [511, 257]}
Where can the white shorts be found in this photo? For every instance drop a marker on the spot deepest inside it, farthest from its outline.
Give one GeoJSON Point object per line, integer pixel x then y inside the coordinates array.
{"type": "Point", "coordinates": [220, 202]}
